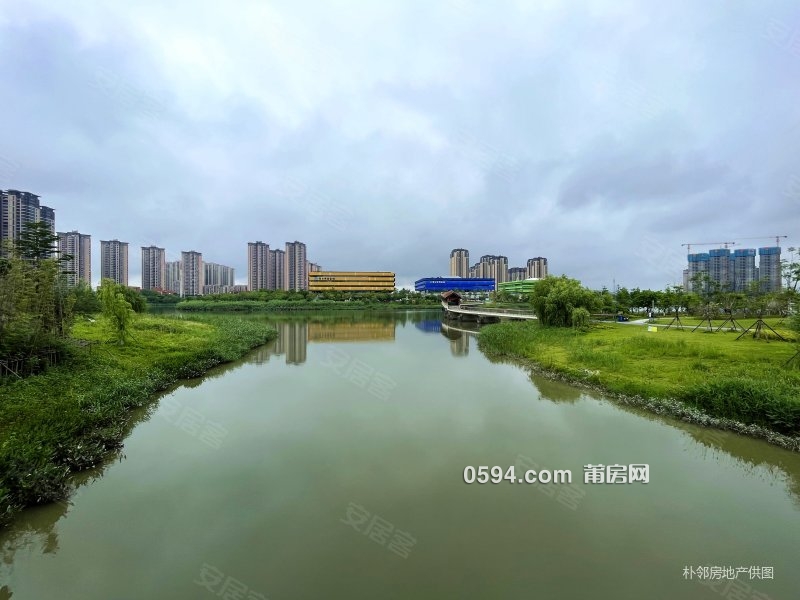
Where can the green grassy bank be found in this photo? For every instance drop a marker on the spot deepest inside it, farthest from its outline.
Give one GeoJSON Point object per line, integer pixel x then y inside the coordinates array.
{"type": "Point", "coordinates": [69, 418]}
{"type": "Point", "coordinates": [741, 381]}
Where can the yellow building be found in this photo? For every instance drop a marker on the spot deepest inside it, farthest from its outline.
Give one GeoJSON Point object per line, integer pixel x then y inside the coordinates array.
{"type": "Point", "coordinates": [351, 281]}
{"type": "Point", "coordinates": [350, 332]}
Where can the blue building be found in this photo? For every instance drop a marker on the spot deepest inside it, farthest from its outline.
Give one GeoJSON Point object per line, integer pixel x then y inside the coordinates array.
{"type": "Point", "coordinates": [461, 284]}
{"type": "Point", "coordinates": [769, 268]}
{"type": "Point", "coordinates": [698, 265]}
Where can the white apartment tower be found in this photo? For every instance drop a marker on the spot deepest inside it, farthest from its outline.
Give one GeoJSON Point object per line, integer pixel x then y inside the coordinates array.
{"type": "Point", "coordinates": [537, 267]}
{"type": "Point", "coordinates": [78, 247]}
{"type": "Point", "coordinates": [295, 275]}
{"type": "Point", "coordinates": [192, 274]}
{"type": "Point", "coordinates": [114, 261]}
{"type": "Point", "coordinates": [258, 267]}
{"type": "Point", "coordinates": [173, 277]}
{"type": "Point", "coordinates": [277, 270]}
{"type": "Point", "coordinates": [154, 268]}
{"type": "Point", "coordinates": [459, 262]}
{"type": "Point", "coordinates": [218, 275]}
{"type": "Point", "coordinates": [18, 208]}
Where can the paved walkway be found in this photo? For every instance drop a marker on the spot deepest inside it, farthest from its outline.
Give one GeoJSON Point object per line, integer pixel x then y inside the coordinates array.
{"type": "Point", "coordinates": [644, 321]}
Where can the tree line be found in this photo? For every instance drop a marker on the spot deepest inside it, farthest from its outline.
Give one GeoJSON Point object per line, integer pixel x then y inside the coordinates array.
{"type": "Point", "coordinates": [38, 307]}
{"type": "Point", "coordinates": [563, 301]}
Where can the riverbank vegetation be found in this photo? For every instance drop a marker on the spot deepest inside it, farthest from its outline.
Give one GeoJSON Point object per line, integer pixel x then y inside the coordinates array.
{"type": "Point", "coordinates": [69, 417]}
{"type": "Point", "coordinates": [752, 381]}
{"type": "Point", "coordinates": [36, 307]}
{"type": "Point", "coordinates": [281, 300]}
{"type": "Point", "coordinates": [704, 299]}
{"type": "Point", "coordinates": [745, 380]}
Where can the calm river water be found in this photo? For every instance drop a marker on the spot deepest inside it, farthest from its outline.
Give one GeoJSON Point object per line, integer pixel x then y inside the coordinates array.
{"type": "Point", "coordinates": [330, 464]}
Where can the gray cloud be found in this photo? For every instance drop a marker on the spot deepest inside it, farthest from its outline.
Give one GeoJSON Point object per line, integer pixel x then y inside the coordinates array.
{"type": "Point", "coordinates": [385, 135]}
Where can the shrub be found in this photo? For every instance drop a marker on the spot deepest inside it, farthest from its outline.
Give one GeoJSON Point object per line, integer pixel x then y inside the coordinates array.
{"type": "Point", "coordinates": [555, 298]}
{"type": "Point", "coordinates": [580, 318]}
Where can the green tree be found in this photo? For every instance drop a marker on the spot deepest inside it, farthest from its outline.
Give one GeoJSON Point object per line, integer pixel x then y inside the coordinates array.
{"type": "Point", "coordinates": [701, 285]}
{"type": "Point", "coordinates": [86, 300]}
{"type": "Point", "coordinates": [137, 301]}
{"type": "Point", "coordinates": [36, 243]}
{"type": "Point", "coordinates": [157, 298]}
{"type": "Point", "coordinates": [623, 297]}
{"type": "Point", "coordinates": [667, 300]}
{"type": "Point", "coordinates": [605, 301]}
{"type": "Point", "coordinates": [790, 270]}
{"type": "Point", "coordinates": [580, 318]}
{"type": "Point", "coordinates": [554, 299]}
{"type": "Point", "coordinates": [35, 307]}
{"type": "Point", "coordinates": [117, 311]}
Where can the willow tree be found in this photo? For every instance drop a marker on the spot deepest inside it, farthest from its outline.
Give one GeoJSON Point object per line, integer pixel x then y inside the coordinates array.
{"type": "Point", "coordinates": [116, 310]}
{"type": "Point", "coordinates": [555, 299]}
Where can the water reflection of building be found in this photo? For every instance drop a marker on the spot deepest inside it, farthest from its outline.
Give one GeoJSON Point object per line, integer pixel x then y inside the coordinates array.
{"type": "Point", "coordinates": [460, 346]}
{"type": "Point", "coordinates": [261, 355]}
{"type": "Point", "coordinates": [459, 339]}
{"type": "Point", "coordinates": [351, 331]}
{"type": "Point", "coordinates": [291, 341]}
{"type": "Point", "coordinates": [294, 336]}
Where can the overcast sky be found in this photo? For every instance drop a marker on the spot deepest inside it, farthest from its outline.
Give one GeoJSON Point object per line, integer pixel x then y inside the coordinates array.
{"type": "Point", "coordinates": [601, 135]}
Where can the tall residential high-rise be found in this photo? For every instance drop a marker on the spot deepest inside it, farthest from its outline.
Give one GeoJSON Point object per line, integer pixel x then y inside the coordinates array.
{"type": "Point", "coordinates": [769, 269]}
{"type": "Point", "coordinates": [719, 262]}
{"type": "Point", "coordinates": [500, 269]}
{"type": "Point", "coordinates": [173, 277]}
{"type": "Point", "coordinates": [258, 267]}
{"type": "Point", "coordinates": [312, 267]}
{"type": "Point", "coordinates": [517, 273]}
{"type": "Point", "coordinates": [698, 266]}
{"type": "Point", "coordinates": [18, 208]}
{"type": "Point", "coordinates": [192, 273]}
{"type": "Point", "coordinates": [295, 277]}
{"type": "Point", "coordinates": [277, 270]}
{"type": "Point", "coordinates": [459, 262]}
{"type": "Point", "coordinates": [154, 268]}
{"type": "Point", "coordinates": [218, 275]}
{"type": "Point", "coordinates": [537, 268]}
{"type": "Point", "coordinates": [744, 269]}
{"type": "Point", "coordinates": [78, 247]}
{"type": "Point", "coordinates": [48, 215]}
{"type": "Point", "coordinates": [484, 266]}
{"type": "Point", "coordinates": [114, 261]}
{"type": "Point", "coordinates": [493, 267]}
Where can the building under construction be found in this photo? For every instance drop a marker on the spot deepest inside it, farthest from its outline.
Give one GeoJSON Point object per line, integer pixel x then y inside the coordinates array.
{"type": "Point", "coordinates": [735, 270]}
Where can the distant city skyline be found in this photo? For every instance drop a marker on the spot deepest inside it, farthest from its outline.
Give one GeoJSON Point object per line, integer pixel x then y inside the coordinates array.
{"type": "Point", "coordinates": [18, 207]}
{"type": "Point", "coordinates": [495, 267]}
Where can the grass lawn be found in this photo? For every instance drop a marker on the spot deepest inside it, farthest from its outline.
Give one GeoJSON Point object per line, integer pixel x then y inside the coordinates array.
{"type": "Point", "coordinates": [781, 325]}
{"type": "Point", "coordinates": [69, 417]}
{"type": "Point", "coordinates": [744, 380]}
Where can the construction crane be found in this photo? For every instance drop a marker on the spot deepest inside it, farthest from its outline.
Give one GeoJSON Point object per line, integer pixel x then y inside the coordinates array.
{"type": "Point", "coordinates": [764, 237]}
{"type": "Point", "coordinates": [689, 246]}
